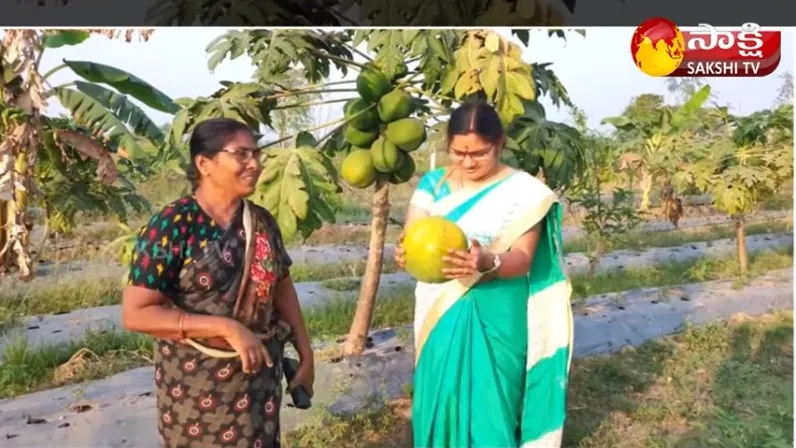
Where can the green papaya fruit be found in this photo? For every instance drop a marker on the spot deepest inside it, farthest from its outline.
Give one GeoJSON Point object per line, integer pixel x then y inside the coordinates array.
{"type": "Point", "coordinates": [365, 116]}
{"type": "Point", "coordinates": [407, 133]}
{"type": "Point", "coordinates": [372, 84]}
{"type": "Point", "coordinates": [394, 106]}
{"type": "Point", "coordinates": [359, 138]}
{"type": "Point", "coordinates": [405, 170]}
{"type": "Point", "coordinates": [357, 169]}
{"type": "Point", "coordinates": [384, 155]}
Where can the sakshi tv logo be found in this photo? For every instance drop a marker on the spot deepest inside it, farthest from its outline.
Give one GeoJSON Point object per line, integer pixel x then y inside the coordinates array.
{"type": "Point", "coordinates": [661, 49]}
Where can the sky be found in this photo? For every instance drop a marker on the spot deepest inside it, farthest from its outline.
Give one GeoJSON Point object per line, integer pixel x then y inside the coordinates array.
{"type": "Point", "coordinates": [597, 70]}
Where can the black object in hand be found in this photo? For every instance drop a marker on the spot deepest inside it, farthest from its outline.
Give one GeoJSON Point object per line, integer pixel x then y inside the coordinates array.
{"type": "Point", "coordinates": [301, 399]}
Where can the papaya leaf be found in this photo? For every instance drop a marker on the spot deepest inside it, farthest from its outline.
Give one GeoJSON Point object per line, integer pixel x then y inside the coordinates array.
{"type": "Point", "coordinates": [546, 82]}
{"type": "Point", "coordinates": [491, 67]}
{"type": "Point", "coordinates": [231, 44]}
{"type": "Point", "coordinates": [555, 148]}
{"type": "Point", "coordinates": [276, 52]}
{"type": "Point", "coordinates": [298, 188]}
{"type": "Point", "coordinates": [245, 102]}
{"type": "Point", "coordinates": [523, 35]}
{"type": "Point", "coordinates": [125, 83]}
{"type": "Point", "coordinates": [360, 36]}
{"type": "Point", "coordinates": [439, 64]}
{"type": "Point", "coordinates": [390, 48]}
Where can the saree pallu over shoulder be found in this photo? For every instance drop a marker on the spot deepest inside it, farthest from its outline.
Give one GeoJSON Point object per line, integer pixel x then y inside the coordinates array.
{"type": "Point", "coordinates": [493, 358]}
{"type": "Point", "coordinates": [208, 401]}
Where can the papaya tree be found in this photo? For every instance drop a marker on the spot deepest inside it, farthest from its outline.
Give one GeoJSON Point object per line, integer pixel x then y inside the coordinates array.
{"type": "Point", "coordinates": [603, 221]}
{"type": "Point", "coordinates": [666, 147]}
{"type": "Point", "coordinates": [745, 167]}
{"type": "Point", "coordinates": [50, 160]}
{"type": "Point", "coordinates": [404, 84]}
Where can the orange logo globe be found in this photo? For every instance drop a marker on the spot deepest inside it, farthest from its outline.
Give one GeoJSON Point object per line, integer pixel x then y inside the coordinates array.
{"type": "Point", "coordinates": [657, 47]}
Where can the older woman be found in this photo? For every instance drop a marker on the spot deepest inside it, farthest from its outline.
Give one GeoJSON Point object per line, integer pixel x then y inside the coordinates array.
{"type": "Point", "coordinates": [211, 281]}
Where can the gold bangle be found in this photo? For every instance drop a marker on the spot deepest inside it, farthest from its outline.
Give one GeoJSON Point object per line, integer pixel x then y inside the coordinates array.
{"type": "Point", "coordinates": [182, 325]}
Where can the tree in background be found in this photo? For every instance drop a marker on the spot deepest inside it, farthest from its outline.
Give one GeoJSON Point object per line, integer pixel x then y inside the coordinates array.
{"type": "Point", "coordinates": [785, 94]}
{"type": "Point", "coordinates": [293, 114]}
{"type": "Point", "coordinates": [603, 220]}
{"type": "Point", "coordinates": [685, 88]}
{"type": "Point", "coordinates": [664, 149]}
{"type": "Point", "coordinates": [68, 165]}
{"type": "Point", "coordinates": [746, 165]}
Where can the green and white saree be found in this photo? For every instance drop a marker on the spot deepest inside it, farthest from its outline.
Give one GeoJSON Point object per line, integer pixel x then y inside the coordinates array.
{"type": "Point", "coordinates": [493, 358]}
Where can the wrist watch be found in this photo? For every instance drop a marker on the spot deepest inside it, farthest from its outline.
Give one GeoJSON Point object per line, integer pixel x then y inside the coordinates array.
{"type": "Point", "coordinates": [495, 265]}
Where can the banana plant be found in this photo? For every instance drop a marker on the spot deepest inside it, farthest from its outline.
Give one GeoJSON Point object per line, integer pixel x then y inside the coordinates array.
{"type": "Point", "coordinates": [72, 165]}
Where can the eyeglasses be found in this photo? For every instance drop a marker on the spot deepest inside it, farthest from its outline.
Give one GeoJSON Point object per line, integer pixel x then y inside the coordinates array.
{"type": "Point", "coordinates": [475, 155]}
{"type": "Point", "coordinates": [244, 155]}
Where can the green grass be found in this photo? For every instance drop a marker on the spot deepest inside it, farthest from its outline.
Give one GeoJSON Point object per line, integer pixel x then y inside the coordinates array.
{"type": "Point", "coordinates": [27, 369]}
{"type": "Point", "coordinates": [334, 318]}
{"type": "Point", "coordinates": [345, 235]}
{"type": "Point", "coordinates": [59, 298]}
{"type": "Point", "coordinates": [321, 272]}
{"type": "Point", "coordinates": [638, 240]}
{"type": "Point", "coordinates": [85, 243]}
{"type": "Point", "coordinates": [342, 284]}
{"type": "Point", "coordinates": [722, 385]}
{"type": "Point", "coordinates": [387, 429]}
{"type": "Point", "coordinates": [64, 297]}
{"type": "Point", "coordinates": [700, 270]}
{"type": "Point", "coordinates": [719, 385]}
{"type": "Point", "coordinates": [783, 201]}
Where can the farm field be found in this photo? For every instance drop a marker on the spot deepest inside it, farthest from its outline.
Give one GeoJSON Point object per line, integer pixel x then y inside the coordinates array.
{"type": "Point", "coordinates": [682, 283]}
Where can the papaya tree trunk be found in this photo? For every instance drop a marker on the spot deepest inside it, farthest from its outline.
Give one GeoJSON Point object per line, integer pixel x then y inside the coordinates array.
{"type": "Point", "coordinates": [594, 260]}
{"type": "Point", "coordinates": [740, 236]}
{"type": "Point", "coordinates": [358, 334]}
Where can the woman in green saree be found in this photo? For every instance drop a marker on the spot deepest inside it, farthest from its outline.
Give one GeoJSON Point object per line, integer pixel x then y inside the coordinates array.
{"type": "Point", "coordinates": [493, 343]}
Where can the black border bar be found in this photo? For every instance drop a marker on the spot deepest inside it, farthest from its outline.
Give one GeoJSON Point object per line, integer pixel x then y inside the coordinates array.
{"type": "Point", "coordinates": [384, 13]}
